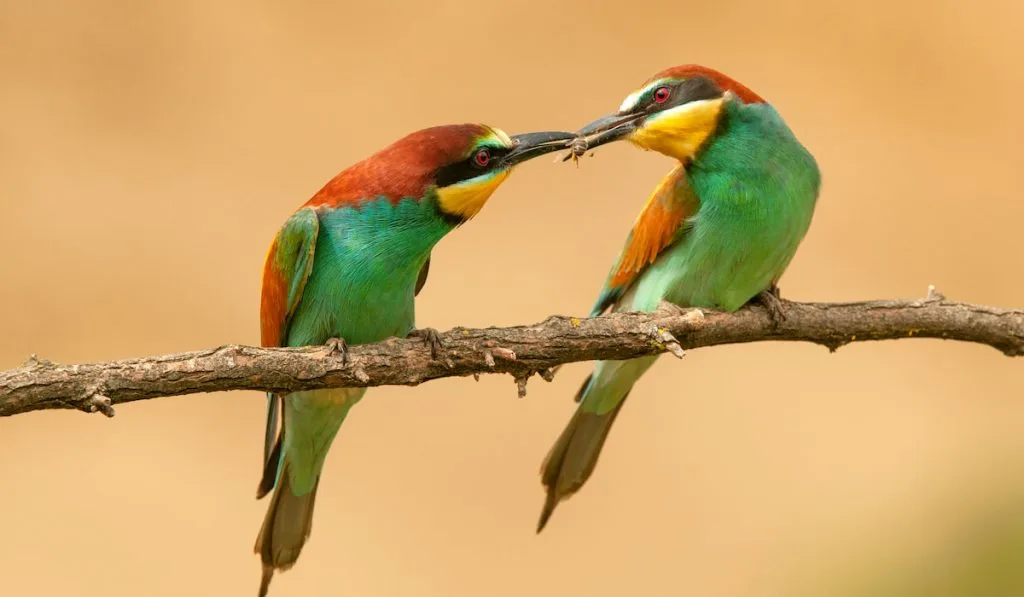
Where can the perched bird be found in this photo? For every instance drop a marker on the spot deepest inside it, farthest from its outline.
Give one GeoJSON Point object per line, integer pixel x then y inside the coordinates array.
{"type": "Point", "coordinates": [717, 232]}
{"type": "Point", "coordinates": [344, 269]}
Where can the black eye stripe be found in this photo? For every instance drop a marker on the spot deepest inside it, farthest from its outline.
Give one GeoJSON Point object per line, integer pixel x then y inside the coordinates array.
{"type": "Point", "coordinates": [468, 168]}
{"type": "Point", "coordinates": [682, 92]}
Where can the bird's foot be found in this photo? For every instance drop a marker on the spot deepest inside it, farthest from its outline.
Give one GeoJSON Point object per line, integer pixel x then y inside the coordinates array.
{"type": "Point", "coordinates": [431, 338]}
{"type": "Point", "coordinates": [337, 347]}
{"type": "Point", "coordinates": [774, 303]}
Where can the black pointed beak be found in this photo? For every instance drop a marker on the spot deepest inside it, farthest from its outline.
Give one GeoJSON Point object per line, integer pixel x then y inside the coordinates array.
{"type": "Point", "coordinates": [530, 145]}
{"type": "Point", "coordinates": [610, 128]}
{"type": "Point", "coordinates": [605, 130]}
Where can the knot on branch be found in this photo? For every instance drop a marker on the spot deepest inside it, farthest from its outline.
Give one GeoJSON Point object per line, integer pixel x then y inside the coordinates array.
{"type": "Point", "coordinates": [521, 380]}
{"type": "Point", "coordinates": [99, 402]}
{"type": "Point", "coordinates": [492, 351]}
{"type": "Point", "coordinates": [33, 361]}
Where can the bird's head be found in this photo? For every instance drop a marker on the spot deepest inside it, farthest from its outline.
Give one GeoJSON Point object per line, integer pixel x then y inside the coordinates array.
{"type": "Point", "coordinates": [673, 113]}
{"type": "Point", "coordinates": [460, 165]}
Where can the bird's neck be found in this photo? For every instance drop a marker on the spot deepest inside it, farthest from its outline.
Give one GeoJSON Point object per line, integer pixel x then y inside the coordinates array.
{"type": "Point", "coordinates": [754, 166]}
{"type": "Point", "coordinates": [752, 144]}
{"type": "Point", "coordinates": [391, 234]}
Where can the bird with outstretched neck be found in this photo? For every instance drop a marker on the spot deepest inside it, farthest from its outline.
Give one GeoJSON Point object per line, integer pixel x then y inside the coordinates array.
{"type": "Point", "coordinates": [344, 270]}
{"type": "Point", "coordinates": [716, 233]}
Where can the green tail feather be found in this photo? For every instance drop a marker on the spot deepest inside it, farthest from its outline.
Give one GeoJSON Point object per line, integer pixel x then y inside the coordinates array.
{"type": "Point", "coordinates": [271, 447]}
{"type": "Point", "coordinates": [309, 423]}
{"type": "Point", "coordinates": [572, 459]}
{"type": "Point", "coordinates": [285, 529]}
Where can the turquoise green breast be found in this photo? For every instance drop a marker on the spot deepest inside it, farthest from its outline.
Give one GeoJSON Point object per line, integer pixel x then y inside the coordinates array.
{"type": "Point", "coordinates": [757, 187]}
{"type": "Point", "coordinates": [365, 267]}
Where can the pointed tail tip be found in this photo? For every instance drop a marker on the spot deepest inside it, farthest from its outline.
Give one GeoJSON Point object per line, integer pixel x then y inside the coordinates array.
{"type": "Point", "coordinates": [268, 573]}
{"type": "Point", "coordinates": [543, 522]}
{"type": "Point", "coordinates": [545, 514]}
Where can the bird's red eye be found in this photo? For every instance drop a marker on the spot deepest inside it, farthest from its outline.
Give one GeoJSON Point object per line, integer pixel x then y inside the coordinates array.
{"type": "Point", "coordinates": [661, 94]}
{"type": "Point", "coordinates": [482, 158]}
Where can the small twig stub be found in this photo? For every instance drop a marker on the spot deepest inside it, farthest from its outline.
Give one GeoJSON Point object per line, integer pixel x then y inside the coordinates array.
{"type": "Point", "coordinates": [100, 403]}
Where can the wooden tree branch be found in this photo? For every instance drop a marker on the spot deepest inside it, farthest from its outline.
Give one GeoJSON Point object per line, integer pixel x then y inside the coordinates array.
{"type": "Point", "coordinates": [520, 351]}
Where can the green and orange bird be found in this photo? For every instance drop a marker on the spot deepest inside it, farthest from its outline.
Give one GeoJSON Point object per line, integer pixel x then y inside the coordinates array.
{"type": "Point", "coordinates": [344, 269]}
{"type": "Point", "coordinates": [717, 232]}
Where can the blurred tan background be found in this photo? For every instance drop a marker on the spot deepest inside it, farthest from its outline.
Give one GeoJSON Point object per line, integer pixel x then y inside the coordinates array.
{"type": "Point", "coordinates": [149, 152]}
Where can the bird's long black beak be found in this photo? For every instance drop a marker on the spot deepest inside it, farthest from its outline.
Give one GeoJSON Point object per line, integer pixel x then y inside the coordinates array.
{"type": "Point", "coordinates": [610, 128]}
{"type": "Point", "coordinates": [530, 145]}
{"type": "Point", "coordinates": [604, 130]}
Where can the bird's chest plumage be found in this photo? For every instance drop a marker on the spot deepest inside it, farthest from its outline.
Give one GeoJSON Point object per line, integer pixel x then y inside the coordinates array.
{"type": "Point", "coordinates": [365, 267]}
{"type": "Point", "coordinates": [730, 256]}
{"type": "Point", "coordinates": [757, 189]}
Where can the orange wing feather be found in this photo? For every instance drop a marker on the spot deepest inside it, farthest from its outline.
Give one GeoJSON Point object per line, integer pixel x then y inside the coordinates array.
{"type": "Point", "coordinates": [273, 301]}
{"type": "Point", "coordinates": [657, 227]}
{"type": "Point", "coordinates": [289, 262]}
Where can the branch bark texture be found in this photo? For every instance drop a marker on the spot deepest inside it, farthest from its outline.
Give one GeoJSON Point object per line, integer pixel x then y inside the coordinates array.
{"type": "Point", "coordinates": [520, 351]}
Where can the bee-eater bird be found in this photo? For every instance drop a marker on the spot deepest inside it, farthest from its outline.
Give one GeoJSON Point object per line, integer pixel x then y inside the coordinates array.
{"type": "Point", "coordinates": [344, 269]}
{"type": "Point", "coordinates": [717, 232]}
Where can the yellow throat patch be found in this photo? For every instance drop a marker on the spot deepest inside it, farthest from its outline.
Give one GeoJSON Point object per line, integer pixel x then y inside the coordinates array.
{"type": "Point", "coordinates": [465, 199]}
{"type": "Point", "coordinates": [679, 132]}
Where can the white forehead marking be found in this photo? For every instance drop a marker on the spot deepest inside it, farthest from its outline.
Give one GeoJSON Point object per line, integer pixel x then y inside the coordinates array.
{"type": "Point", "coordinates": [634, 98]}
{"type": "Point", "coordinates": [500, 134]}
